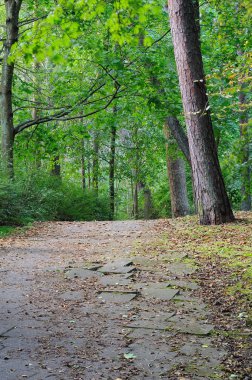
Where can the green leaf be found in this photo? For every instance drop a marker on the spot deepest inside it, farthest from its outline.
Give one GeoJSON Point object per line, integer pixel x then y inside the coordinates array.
{"type": "Point", "coordinates": [130, 355]}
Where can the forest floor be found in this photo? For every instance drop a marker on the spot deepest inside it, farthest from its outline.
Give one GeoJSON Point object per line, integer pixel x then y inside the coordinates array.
{"type": "Point", "coordinates": [164, 299]}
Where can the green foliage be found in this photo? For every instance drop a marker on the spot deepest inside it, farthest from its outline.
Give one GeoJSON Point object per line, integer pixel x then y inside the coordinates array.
{"type": "Point", "coordinates": [75, 47]}
{"type": "Point", "coordinates": [40, 198]}
{"type": "Point", "coordinates": [82, 206]}
{"type": "Point", "coordinates": [26, 200]}
{"type": "Point", "coordinates": [6, 230]}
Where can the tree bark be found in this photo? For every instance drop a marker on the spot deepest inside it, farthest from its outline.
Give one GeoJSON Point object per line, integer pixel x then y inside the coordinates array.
{"type": "Point", "coordinates": [96, 162]}
{"type": "Point", "coordinates": [245, 154]}
{"type": "Point", "coordinates": [135, 201]}
{"type": "Point", "coordinates": [148, 207]}
{"type": "Point", "coordinates": [212, 201]}
{"type": "Point", "coordinates": [178, 133]}
{"type": "Point", "coordinates": [112, 168]}
{"type": "Point", "coordinates": [83, 165]}
{"type": "Point", "coordinates": [177, 180]}
{"type": "Point", "coordinates": [56, 169]}
{"type": "Point", "coordinates": [12, 8]}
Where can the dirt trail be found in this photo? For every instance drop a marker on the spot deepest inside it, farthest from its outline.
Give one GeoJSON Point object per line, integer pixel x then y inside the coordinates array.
{"type": "Point", "coordinates": [71, 308]}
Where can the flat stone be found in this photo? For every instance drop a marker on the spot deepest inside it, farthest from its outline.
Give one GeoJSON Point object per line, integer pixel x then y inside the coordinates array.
{"type": "Point", "coordinates": [148, 352]}
{"type": "Point", "coordinates": [151, 321]}
{"type": "Point", "coordinates": [92, 266]}
{"type": "Point", "coordinates": [183, 284]}
{"type": "Point", "coordinates": [72, 296]}
{"type": "Point", "coordinates": [117, 267]}
{"type": "Point", "coordinates": [159, 293]}
{"type": "Point", "coordinates": [152, 358]}
{"type": "Point", "coordinates": [157, 290]}
{"type": "Point", "coordinates": [204, 350]}
{"type": "Point", "coordinates": [181, 269]}
{"type": "Point", "coordinates": [152, 285]}
{"type": "Point", "coordinates": [113, 280]}
{"type": "Point", "coordinates": [142, 333]}
{"type": "Point", "coordinates": [117, 297]}
{"type": "Point", "coordinates": [6, 328]}
{"type": "Point", "coordinates": [81, 273]}
{"type": "Point", "coordinates": [188, 326]}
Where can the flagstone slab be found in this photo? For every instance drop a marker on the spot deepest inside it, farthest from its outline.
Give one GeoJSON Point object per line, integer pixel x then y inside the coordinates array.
{"type": "Point", "coordinates": [92, 266]}
{"type": "Point", "coordinates": [213, 354]}
{"type": "Point", "coordinates": [152, 359]}
{"type": "Point", "coordinates": [180, 269]}
{"type": "Point", "coordinates": [81, 273]}
{"type": "Point", "coordinates": [118, 266]}
{"type": "Point", "coordinates": [158, 290]}
{"type": "Point", "coordinates": [151, 321]}
{"type": "Point", "coordinates": [117, 297]}
{"type": "Point", "coordinates": [5, 328]}
{"type": "Point", "coordinates": [189, 326]}
{"type": "Point", "coordinates": [72, 296]}
{"type": "Point", "coordinates": [183, 284]}
{"type": "Point", "coordinates": [152, 285]}
{"type": "Point", "coordinates": [143, 333]}
{"type": "Point", "coordinates": [114, 280]}
{"type": "Point", "coordinates": [159, 293]}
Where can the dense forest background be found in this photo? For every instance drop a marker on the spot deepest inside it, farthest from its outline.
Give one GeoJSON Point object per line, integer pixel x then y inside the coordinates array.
{"type": "Point", "coordinates": [92, 119]}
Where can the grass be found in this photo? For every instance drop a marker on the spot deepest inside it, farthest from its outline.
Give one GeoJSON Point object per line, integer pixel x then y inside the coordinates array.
{"type": "Point", "coordinates": [6, 231]}
{"type": "Point", "coordinates": [228, 246]}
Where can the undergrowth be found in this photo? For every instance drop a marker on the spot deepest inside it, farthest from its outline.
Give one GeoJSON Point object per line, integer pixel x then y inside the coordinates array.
{"type": "Point", "coordinates": [42, 198]}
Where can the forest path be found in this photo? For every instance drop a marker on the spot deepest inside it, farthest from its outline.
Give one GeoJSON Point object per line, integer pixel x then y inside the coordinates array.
{"type": "Point", "coordinates": [100, 300]}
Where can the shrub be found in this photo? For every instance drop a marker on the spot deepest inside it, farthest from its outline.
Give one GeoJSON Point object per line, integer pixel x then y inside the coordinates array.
{"type": "Point", "coordinates": [41, 198]}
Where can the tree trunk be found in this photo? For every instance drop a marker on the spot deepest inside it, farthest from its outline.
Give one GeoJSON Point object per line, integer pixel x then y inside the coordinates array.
{"type": "Point", "coordinates": [112, 169]}
{"type": "Point", "coordinates": [148, 207]}
{"type": "Point", "coordinates": [177, 180]}
{"type": "Point", "coordinates": [96, 162]}
{"type": "Point", "coordinates": [12, 8]}
{"type": "Point", "coordinates": [245, 155]}
{"type": "Point", "coordinates": [212, 201]}
{"type": "Point", "coordinates": [178, 133]}
{"type": "Point", "coordinates": [83, 166]}
{"type": "Point", "coordinates": [56, 169]}
{"type": "Point", "coordinates": [135, 201]}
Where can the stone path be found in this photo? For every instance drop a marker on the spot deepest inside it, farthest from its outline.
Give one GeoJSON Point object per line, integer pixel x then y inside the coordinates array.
{"type": "Point", "coordinates": [80, 301]}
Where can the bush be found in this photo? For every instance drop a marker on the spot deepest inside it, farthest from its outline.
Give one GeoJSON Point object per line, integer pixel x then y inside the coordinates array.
{"type": "Point", "coordinates": [45, 198]}
{"type": "Point", "coordinates": [78, 205]}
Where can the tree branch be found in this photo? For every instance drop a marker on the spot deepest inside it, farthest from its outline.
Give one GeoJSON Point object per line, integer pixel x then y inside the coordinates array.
{"type": "Point", "coordinates": [61, 116]}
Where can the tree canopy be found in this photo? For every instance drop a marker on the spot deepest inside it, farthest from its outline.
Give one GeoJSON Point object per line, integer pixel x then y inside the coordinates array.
{"type": "Point", "coordinates": [87, 87]}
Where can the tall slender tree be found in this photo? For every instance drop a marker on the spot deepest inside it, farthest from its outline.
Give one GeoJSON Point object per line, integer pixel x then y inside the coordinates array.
{"type": "Point", "coordinates": [12, 9]}
{"type": "Point", "coordinates": [212, 201]}
{"type": "Point", "coordinates": [177, 178]}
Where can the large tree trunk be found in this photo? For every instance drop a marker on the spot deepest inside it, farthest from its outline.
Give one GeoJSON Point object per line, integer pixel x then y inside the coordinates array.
{"type": "Point", "coordinates": [177, 180]}
{"type": "Point", "coordinates": [245, 154]}
{"type": "Point", "coordinates": [212, 201]}
{"type": "Point", "coordinates": [112, 169]}
{"type": "Point", "coordinates": [12, 8]}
